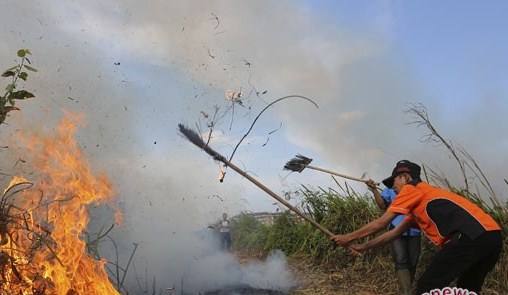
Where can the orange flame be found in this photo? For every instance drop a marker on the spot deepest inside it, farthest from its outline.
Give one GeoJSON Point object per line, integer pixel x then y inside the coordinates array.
{"type": "Point", "coordinates": [43, 249]}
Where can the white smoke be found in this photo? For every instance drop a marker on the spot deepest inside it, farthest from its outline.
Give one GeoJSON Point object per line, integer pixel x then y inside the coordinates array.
{"type": "Point", "coordinates": [193, 263]}
{"type": "Point", "coordinates": [222, 270]}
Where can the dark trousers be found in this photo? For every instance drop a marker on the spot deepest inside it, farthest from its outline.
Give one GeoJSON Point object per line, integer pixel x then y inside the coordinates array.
{"type": "Point", "coordinates": [465, 259]}
{"type": "Point", "coordinates": [225, 241]}
{"type": "Point", "coordinates": [405, 253]}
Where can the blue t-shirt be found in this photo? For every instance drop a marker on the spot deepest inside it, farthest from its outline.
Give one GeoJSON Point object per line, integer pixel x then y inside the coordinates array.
{"type": "Point", "coordinates": [388, 196]}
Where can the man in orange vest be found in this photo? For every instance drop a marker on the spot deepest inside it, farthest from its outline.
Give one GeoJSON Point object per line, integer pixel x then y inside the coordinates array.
{"type": "Point", "coordinates": [470, 240]}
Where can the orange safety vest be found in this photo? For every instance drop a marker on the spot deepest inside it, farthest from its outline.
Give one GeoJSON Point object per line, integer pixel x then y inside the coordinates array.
{"type": "Point", "coordinates": [441, 213]}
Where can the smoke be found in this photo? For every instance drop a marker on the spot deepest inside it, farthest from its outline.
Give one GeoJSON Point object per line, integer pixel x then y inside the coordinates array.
{"type": "Point", "coordinates": [221, 270]}
{"type": "Point", "coordinates": [192, 262]}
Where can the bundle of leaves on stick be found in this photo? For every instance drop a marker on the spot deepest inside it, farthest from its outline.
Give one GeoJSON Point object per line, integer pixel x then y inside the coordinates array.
{"type": "Point", "coordinates": [194, 137]}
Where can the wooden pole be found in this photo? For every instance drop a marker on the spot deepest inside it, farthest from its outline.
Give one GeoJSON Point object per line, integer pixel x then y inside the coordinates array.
{"type": "Point", "coordinates": [278, 198]}
{"type": "Point", "coordinates": [338, 174]}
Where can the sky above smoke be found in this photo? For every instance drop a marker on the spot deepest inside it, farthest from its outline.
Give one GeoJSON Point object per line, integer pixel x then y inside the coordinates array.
{"type": "Point", "coordinates": [135, 69]}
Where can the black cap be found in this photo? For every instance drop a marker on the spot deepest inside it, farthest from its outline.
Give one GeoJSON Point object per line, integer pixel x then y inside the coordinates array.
{"type": "Point", "coordinates": [403, 166]}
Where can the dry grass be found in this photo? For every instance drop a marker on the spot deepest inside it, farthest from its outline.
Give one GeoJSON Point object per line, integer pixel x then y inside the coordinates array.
{"type": "Point", "coordinates": [359, 279]}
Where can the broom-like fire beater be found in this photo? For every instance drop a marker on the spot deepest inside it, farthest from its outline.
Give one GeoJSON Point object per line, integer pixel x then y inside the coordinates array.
{"type": "Point", "coordinates": [299, 163]}
{"type": "Point", "coordinates": [193, 137]}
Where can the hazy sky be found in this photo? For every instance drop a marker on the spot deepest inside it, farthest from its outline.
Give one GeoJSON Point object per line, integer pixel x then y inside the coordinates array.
{"type": "Point", "coordinates": [135, 69]}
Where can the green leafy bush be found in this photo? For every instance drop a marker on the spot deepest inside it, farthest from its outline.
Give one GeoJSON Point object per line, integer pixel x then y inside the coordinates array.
{"type": "Point", "coordinates": [19, 71]}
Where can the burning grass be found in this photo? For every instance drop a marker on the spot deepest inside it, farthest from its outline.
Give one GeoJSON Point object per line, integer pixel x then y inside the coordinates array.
{"type": "Point", "coordinates": [43, 224]}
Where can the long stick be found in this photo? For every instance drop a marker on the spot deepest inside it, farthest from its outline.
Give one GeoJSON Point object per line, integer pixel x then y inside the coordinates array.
{"type": "Point", "coordinates": [193, 137]}
{"type": "Point", "coordinates": [336, 174]}
{"type": "Point", "coordinates": [278, 198]}
{"type": "Point", "coordinates": [300, 162]}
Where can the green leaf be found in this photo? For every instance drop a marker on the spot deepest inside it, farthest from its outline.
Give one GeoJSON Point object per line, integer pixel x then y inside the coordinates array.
{"type": "Point", "coordinates": [30, 68]}
{"type": "Point", "coordinates": [8, 74]}
{"type": "Point", "coordinates": [23, 76]}
{"type": "Point", "coordinates": [22, 53]}
{"type": "Point", "coordinates": [22, 94]}
{"type": "Point", "coordinates": [27, 94]}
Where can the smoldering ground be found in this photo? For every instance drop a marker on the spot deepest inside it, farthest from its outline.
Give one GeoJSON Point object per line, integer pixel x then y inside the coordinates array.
{"type": "Point", "coordinates": [175, 246]}
{"type": "Point", "coordinates": [196, 264]}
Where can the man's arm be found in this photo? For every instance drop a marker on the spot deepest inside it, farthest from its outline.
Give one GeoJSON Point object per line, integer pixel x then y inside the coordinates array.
{"type": "Point", "coordinates": [368, 229]}
{"type": "Point", "coordinates": [217, 225]}
{"type": "Point", "coordinates": [377, 196]}
{"type": "Point", "coordinates": [384, 238]}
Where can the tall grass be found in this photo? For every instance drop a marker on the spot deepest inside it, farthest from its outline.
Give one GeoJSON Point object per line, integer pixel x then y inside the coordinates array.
{"type": "Point", "coordinates": [344, 211]}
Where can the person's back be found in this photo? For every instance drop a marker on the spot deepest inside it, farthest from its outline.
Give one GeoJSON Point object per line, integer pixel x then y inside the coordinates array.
{"type": "Point", "coordinates": [469, 238]}
{"type": "Point", "coordinates": [441, 213]}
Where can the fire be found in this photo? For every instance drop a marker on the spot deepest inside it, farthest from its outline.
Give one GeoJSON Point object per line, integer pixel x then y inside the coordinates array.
{"type": "Point", "coordinates": [42, 227]}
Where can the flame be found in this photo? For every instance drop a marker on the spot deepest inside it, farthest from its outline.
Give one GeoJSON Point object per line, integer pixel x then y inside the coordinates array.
{"type": "Point", "coordinates": [222, 174]}
{"type": "Point", "coordinates": [43, 250]}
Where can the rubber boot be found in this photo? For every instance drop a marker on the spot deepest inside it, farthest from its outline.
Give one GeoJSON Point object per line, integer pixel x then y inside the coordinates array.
{"type": "Point", "coordinates": [404, 277]}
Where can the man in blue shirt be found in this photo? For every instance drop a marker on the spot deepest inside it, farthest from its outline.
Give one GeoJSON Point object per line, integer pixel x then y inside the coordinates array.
{"type": "Point", "coordinates": [406, 248]}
